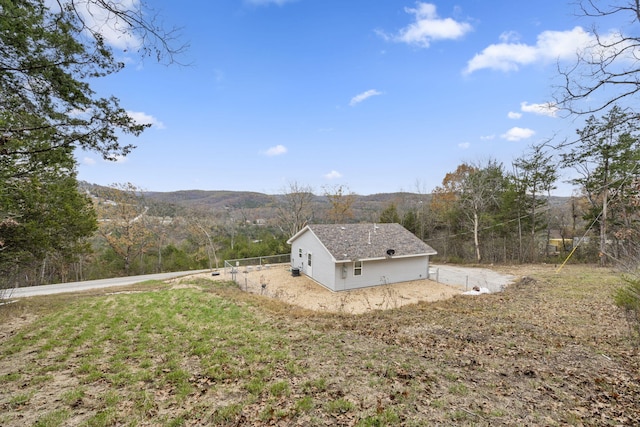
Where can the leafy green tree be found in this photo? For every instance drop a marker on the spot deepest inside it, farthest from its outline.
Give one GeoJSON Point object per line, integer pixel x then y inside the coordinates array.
{"type": "Point", "coordinates": [410, 221]}
{"type": "Point", "coordinates": [509, 222]}
{"type": "Point", "coordinates": [47, 103]}
{"type": "Point", "coordinates": [606, 158]}
{"type": "Point", "coordinates": [50, 52]}
{"type": "Point", "coordinates": [535, 175]}
{"type": "Point", "coordinates": [470, 196]}
{"type": "Point", "coordinates": [390, 214]}
{"type": "Point", "coordinates": [51, 226]}
{"type": "Point", "coordinates": [627, 297]}
{"type": "Point", "coordinates": [177, 259]}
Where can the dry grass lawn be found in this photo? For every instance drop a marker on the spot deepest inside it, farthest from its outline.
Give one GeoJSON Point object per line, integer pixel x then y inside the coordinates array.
{"type": "Point", "coordinates": [551, 350]}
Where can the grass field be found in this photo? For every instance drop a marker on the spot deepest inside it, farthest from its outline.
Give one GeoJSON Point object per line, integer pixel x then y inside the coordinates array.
{"type": "Point", "coordinates": [550, 350]}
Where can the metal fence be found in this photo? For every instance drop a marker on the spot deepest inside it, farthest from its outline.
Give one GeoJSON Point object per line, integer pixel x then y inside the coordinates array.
{"type": "Point", "coordinates": [255, 262]}
{"type": "Point", "coordinates": [247, 265]}
{"type": "Point", "coordinates": [467, 278]}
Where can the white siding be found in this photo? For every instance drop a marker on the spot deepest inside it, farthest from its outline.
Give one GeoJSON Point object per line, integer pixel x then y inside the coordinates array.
{"type": "Point", "coordinates": [322, 263]}
{"type": "Point", "coordinates": [380, 272]}
{"type": "Point", "coordinates": [330, 274]}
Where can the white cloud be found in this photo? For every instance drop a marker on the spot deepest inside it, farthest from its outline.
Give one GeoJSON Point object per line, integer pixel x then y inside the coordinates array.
{"type": "Point", "coordinates": [116, 32]}
{"type": "Point", "coordinates": [546, 109]}
{"type": "Point", "coordinates": [509, 37]}
{"type": "Point", "coordinates": [517, 134]}
{"type": "Point", "coordinates": [488, 137]}
{"type": "Point", "coordinates": [364, 95]}
{"type": "Point", "coordinates": [119, 159]}
{"type": "Point", "coordinates": [89, 161]}
{"type": "Point", "coordinates": [333, 175]}
{"type": "Point", "coordinates": [276, 151]}
{"type": "Point", "coordinates": [145, 119]}
{"type": "Point", "coordinates": [514, 115]}
{"type": "Point", "coordinates": [428, 27]}
{"type": "Point", "coordinates": [76, 112]}
{"type": "Point", "coordinates": [550, 46]}
{"type": "Point", "coordinates": [464, 145]}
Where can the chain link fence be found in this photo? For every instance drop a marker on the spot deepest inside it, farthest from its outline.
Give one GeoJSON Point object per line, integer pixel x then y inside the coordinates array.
{"type": "Point", "coordinates": [239, 270]}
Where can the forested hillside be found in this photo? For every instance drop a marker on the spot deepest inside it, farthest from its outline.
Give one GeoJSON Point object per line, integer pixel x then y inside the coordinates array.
{"type": "Point", "coordinates": [159, 231]}
{"type": "Point", "coordinates": [139, 232]}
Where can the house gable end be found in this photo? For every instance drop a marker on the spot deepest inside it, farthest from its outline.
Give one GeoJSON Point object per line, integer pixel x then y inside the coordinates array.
{"type": "Point", "coordinates": [308, 231]}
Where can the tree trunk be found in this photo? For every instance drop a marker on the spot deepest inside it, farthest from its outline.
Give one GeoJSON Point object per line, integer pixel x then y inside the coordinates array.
{"type": "Point", "coordinates": [603, 221]}
{"type": "Point", "coordinates": [476, 240]}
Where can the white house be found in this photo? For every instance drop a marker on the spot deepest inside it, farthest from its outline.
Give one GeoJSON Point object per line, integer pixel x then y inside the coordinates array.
{"type": "Point", "coordinates": [351, 256]}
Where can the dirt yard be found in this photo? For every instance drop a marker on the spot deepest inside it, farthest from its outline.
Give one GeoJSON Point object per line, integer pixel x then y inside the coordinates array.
{"type": "Point", "coordinates": [277, 282]}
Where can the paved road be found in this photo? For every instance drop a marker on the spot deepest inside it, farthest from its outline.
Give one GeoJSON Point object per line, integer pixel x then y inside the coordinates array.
{"type": "Point", "coordinates": [468, 277]}
{"type": "Point", "coordinates": [94, 284]}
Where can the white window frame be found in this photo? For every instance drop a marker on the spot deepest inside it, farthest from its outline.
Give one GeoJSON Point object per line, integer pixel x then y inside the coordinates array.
{"type": "Point", "coordinates": [357, 268]}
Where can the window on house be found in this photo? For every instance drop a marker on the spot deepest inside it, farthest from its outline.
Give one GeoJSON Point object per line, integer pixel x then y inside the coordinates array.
{"type": "Point", "coordinates": [300, 252]}
{"type": "Point", "coordinates": [357, 268]}
{"type": "Point", "coordinates": [309, 259]}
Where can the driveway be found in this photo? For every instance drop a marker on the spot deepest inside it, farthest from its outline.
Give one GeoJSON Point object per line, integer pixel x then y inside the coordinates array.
{"type": "Point", "coordinates": [93, 284]}
{"type": "Point", "coordinates": [468, 277]}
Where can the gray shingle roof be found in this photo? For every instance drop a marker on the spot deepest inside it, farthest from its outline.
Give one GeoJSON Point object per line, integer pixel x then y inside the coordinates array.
{"type": "Point", "coordinates": [347, 242]}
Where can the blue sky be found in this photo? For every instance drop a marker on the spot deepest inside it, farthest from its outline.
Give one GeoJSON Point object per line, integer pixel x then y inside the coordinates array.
{"type": "Point", "coordinates": [379, 96]}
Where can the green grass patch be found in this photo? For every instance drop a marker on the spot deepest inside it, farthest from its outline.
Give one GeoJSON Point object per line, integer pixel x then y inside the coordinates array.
{"type": "Point", "coordinates": [129, 339]}
{"type": "Point", "coordinates": [339, 406]}
{"type": "Point", "coordinates": [53, 419]}
{"type": "Point", "coordinates": [226, 414]}
{"type": "Point", "coordinates": [386, 417]}
{"type": "Point", "coordinates": [10, 377]}
{"type": "Point", "coordinates": [305, 404]}
{"type": "Point", "coordinates": [73, 397]}
{"type": "Point", "coordinates": [280, 388]}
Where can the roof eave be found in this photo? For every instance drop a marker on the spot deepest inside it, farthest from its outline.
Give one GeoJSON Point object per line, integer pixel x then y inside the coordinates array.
{"type": "Point", "coordinates": [342, 261]}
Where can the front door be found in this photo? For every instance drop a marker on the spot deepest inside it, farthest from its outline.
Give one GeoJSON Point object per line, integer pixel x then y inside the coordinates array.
{"type": "Point", "coordinates": [309, 268]}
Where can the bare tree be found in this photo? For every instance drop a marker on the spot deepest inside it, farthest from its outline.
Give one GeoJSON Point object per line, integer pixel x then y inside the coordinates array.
{"type": "Point", "coordinates": [608, 70]}
{"type": "Point", "coordinates": [341, 200]}
{"type": "Point", "coordinates": [294, 208]}
{"type": "Point", "coordinates": [132, 23]}
{"type": "Point", "coordinates": [203, 227]}
{"type": "Point", "coordinates": [122, 222]}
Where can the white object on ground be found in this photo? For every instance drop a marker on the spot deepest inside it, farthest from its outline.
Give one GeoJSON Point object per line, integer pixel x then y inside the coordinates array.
{"type": "Point", "coordinates": [477, 291]}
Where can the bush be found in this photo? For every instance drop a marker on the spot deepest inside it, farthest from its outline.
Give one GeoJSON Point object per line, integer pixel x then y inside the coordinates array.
{"type": "Point", "coordinates": [628, 298]}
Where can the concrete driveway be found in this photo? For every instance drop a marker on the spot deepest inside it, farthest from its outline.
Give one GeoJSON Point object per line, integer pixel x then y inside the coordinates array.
{"type": "Point", "coordinates": [468, 277]}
